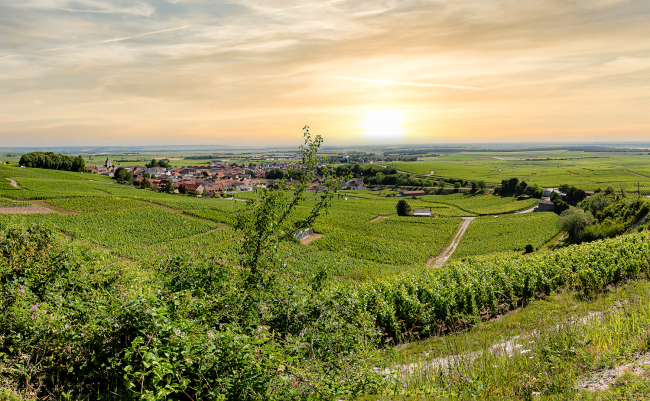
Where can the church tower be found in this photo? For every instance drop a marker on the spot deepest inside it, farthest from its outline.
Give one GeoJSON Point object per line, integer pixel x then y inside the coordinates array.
{"type": "Point", "coordinates": [108, 163]}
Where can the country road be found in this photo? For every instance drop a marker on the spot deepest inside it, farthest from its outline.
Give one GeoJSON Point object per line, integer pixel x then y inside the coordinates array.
{"type": "Point", "coordinates": [442, 258]}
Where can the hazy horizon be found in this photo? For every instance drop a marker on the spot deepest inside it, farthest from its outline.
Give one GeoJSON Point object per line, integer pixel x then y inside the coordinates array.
{"type": "Point", "coordinates": [372, 73]}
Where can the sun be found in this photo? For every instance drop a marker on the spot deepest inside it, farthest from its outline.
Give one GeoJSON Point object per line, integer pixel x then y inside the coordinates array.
{"type": "Point", "coordinates": [383, 125]}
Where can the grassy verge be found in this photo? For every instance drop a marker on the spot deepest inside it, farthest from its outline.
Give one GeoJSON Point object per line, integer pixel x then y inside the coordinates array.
{"type": "Point", "coordinates": [546, 351]}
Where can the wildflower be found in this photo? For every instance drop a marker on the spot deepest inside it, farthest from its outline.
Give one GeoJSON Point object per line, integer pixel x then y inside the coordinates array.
{"type": "Point", "coordinates": [33, 308]}
{"type": "Point", "coordinates": [525, 351]}
{"type": "Point", "coordinates": [44, 312]}
{"type": "Point", "coordinates": [536, 393]}
{"type": "Point", "coordinates": [211, 336]}
{"type": "Point", "coordinates": [177, 331]}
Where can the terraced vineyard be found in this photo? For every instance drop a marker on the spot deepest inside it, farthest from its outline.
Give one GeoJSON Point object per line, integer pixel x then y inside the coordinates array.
{"type": "Point", "coordinates": [509, 232]}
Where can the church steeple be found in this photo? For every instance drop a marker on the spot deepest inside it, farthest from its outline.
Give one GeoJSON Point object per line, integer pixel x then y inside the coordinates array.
{"type": "Point", "coordinates": [108, 163]}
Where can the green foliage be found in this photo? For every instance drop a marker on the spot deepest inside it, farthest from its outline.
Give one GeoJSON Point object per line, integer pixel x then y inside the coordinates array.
{"type": "Point", "coordinates": [481, 204]}
{"type": "Point", "coordinates": [461, 293]}
{"type": "Point", "coordinates": [123, 175]}
{"type": "Point", "coordinates": [574, 221]}
{"type": "Point", "coordinates": [53, 161]}
{"type": "Point", "coordinates": [96, 204]}
{"type": "Point", "coordinates": [403, 208]}
{"type": "Point", "coordinates": [510, 232]}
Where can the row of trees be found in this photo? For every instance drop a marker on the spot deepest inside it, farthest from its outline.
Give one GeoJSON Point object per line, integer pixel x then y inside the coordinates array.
{"type": "Point", "coordinates": [53, 161]}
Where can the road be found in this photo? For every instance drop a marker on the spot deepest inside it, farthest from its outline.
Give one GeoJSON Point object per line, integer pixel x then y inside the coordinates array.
{"type": "Point", "coordinates": [442, 258]}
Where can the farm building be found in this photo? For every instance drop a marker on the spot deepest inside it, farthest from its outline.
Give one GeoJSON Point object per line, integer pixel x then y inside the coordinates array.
{"type": "Point", "coordinates": [422, 212]}
{"type": "Point", "coordinates": [545, 205]}
{"type": "Point", "coordinates": [412, 193]}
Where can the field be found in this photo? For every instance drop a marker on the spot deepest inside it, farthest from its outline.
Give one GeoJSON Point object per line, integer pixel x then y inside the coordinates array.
{"type": "Point", "coordinates": [587, 171]}
{"type": "Point", "coordinates": [507, 233]}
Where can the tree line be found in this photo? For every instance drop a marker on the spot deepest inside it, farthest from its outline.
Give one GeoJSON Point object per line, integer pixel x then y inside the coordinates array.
{"type": "Point", "coordinates": [53, 161]}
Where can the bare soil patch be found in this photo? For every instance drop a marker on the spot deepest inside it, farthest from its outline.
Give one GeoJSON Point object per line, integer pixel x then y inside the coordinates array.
{"type": "Point", "coordinates": [443, 257]}
{"type": "Point", "coordinates": [378, 218]}
{"type": "Point", "coordinates": [432, 172]}
{"type": "Point", "coordinates": [24, 210]}
{"type": "Point", "coordinates": [603, 380]}
{"type": "Point", "coordinates": [310, 238]}
{"type": "Point", "coordinates": [13, 183]}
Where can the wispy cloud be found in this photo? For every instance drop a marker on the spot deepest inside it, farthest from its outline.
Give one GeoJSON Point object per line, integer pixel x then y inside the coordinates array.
{"type": "Point", "coordinates": [416, 84]}
{"type": "Point", "coordinates": [144, 34]}
{"type": "Point", "coordinates": [116, 39]}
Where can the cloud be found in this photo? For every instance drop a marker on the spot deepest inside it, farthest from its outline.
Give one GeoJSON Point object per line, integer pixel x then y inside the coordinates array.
{"type": "Point", "coordinates": [144, 34]}
{"type": "Point", "coordinates": [78, 23]}
{"type": "Point", "coordinates": [117, 39]}
{"type": "Point", "coordinates": [419, 85]}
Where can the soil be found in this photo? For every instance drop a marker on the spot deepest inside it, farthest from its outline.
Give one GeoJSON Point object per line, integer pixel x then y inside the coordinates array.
{"type": "Point", "coordinates": [24, 210]}
{"type": "Point", "coordinates": [602, 380]}
{"type": "Point", "coordinates": [310, 238]}
{"type": "Point", "coordinates": [13, 183]}
{"type": "Point", "coordinates": [378, 218]}
{"type": "Point", "coordinates": [444, 256]}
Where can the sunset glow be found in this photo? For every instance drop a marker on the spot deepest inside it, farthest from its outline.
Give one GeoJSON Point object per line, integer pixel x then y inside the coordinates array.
{"type": "Point", "coordinates": [383, 125]}
{"type": "Point", "coordinates": [195, 72]}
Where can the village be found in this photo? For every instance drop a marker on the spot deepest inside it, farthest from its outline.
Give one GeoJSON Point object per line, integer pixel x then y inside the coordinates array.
{"type": "Point", "coordinates": [211, 180]}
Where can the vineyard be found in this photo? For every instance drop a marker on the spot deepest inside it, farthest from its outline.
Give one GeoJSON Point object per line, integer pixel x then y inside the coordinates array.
{"type": "Point", "coordinates": [482, 204]}
{"type": "Point", "coordinates": [510, 232]}
{"type": "Point", "coordinates": [438, 299]}
{"type": "Point", "coordinates": [95, 204]}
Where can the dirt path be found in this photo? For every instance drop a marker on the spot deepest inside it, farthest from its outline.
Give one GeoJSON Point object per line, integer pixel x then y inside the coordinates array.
{"type": "Point", "coordinates": [378, 218]}
{"type": "Point", "coordinates": [14, 183]}
{"type": "Point", "coordinates": [637, 174]}
{"type": "Point", "coordinates": [532, 209]}
{"type": "Point", "coordinates": [24, 210]}
{"type": "Point", "coordinates": [508, 348]}
{"type": "Point", "coordinates": [442, 258]}
{"type": "Point", "coordinates": [432, 172]}
{"type": "Point", "coordinates": [310, 238]}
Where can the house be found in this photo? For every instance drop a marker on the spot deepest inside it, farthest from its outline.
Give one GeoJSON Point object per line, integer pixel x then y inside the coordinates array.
{"type": "Point", "coordinates": [545, 205]}
{"type": "Point", "coordinates": [412, 193]}
{"type": "Point", "coordinates": [355, 183]}
{"type": "Point", "coordinates": [422, 212]}
{"type": "Point", "coordinates": [214, 189]}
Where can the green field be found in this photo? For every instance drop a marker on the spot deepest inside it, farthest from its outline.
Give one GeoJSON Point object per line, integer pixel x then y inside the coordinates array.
{"type": "Point", "coordinates": [587, 171]}
{"type": "Point", "coordinates": [507, 233]}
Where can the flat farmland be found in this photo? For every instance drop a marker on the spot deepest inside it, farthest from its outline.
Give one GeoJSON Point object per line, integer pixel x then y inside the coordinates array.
{"type": "Point", "coordinates": [587, 171]}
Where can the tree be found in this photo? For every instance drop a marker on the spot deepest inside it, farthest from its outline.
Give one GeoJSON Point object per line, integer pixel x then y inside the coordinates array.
{"type": "Point", "coordinates": [482, 185]}
{"type": "Point", "coordinates": [169, 188]}
{"type": "Point", "coordinates": [574, 221]}
{"type": "Point", "coordinates": [403, 208]}
{"type": "Point", "coordinates": [182, 189]}
{"type": "Point", "coordinates": [123, 175]}
{"type": "Point", "coordinates": [274, 217]}
{"type": "Point", "coordinates": [529, 248]}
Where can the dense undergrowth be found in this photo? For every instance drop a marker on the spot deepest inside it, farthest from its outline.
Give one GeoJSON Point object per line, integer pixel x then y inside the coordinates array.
{"type": "Point", "coordinates": [78, 322]}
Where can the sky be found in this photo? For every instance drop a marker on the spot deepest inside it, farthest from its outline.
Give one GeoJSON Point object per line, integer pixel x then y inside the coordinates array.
{"type": "Point", "coordinates": [247, 72]}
